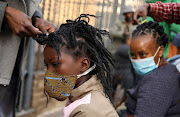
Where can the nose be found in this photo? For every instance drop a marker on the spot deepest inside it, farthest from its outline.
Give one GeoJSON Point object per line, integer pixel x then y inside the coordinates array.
{"type": "Point", "coordinates": [51, 69]}
{"type": "Point", "coordinates": [138, 57]}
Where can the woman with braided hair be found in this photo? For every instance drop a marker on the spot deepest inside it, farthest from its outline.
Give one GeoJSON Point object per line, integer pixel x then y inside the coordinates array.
{"type": "Point", "coordinates": [78, 69]}
{"type": "Point", "coordinates": [158, 92]}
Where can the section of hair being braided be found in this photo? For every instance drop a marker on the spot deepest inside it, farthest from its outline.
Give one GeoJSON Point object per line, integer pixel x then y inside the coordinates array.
{"type": "Point", "coordinates": [80, 38]}
{"type": "Point", "coordinates": [153, 28]}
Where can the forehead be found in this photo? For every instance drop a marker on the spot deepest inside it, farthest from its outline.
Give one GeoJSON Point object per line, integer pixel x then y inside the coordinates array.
{"type": "Point", "coordinates": [51, 53]}
{"type": "Point", "coordinates": [143, 43]}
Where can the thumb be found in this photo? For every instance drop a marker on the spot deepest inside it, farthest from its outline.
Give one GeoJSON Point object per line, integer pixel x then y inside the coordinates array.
{"type": "Point", "coordinates": [144, 17]}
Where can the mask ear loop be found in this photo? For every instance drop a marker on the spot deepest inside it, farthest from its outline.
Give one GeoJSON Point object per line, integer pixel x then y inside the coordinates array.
{"type": "Point", "coordinates": [157, 51]}
{"type": "Point", "coordinates": [158, 62]}
{"type": "Point", "coordinates": [155, 55]}
{"type": "Point", "coordinates": [87, 71]}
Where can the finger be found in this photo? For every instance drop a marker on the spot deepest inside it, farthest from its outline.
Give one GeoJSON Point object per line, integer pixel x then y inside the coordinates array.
{"type": "Point", "coordinates": [33, 31]}
{"type": "Point", "coordinates": [51, 29]}
{"type": "Point", "coordinates": [44, 45]}
{"type": "Point", "coordinates": [135, 17]}
{"type": "Point", "coordinates": [144, 17]}
{"type": "Point", "coordinates": [24, 33]}
{"type": "Point", "coordinates": [42, 28]}
{"type": "Point", "coordinates": [29, 19]}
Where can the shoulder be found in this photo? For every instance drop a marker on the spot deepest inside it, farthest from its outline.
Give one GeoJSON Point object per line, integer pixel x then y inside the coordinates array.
{"type": "Point", "coordinates": [166, 75]}
{"type": "Point", "coordinates": [99, 106]}
{"type": "Point", "coordinates": [86, 110]}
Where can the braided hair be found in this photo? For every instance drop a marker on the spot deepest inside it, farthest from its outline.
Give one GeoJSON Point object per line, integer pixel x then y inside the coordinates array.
{"type": "Point", "coordinates": [153, 28]}
{"type": "Point", "coordinates": [79, 37]}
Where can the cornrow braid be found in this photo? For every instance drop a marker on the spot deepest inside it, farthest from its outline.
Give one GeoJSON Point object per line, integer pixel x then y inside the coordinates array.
{"type": "Point", "coordinates": [153, 28]}
{"type": "Point", "coordinates": [84, 39]}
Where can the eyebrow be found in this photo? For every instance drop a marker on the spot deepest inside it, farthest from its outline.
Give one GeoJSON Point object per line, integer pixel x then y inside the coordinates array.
{"type": "Point", "coordinates": [51, 58]}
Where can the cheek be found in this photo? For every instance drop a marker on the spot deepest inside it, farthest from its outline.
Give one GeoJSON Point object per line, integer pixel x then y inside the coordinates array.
{"type": "Point", "coordinates": [69, 67]}
{"type": "Point", "coordinates": [156, 58]}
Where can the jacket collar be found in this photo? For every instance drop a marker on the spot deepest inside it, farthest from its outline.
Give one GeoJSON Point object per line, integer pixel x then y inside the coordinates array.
{"type": "Point", "coordinates": [93, 84]}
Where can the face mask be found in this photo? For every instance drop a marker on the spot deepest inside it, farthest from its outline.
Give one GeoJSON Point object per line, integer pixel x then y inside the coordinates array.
{"type": "Point", "coordinates": [60, 86]}
{"type": "Point", "coordinates": [144, 66]}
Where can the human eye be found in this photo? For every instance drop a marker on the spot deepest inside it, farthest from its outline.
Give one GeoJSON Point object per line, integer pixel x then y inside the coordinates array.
{"type": "Point", "coordinates": [55, 64]}
{"type": "Point", "coordinates": [142, 55]}
{"type": "Point", "coordinates": [133, 56]}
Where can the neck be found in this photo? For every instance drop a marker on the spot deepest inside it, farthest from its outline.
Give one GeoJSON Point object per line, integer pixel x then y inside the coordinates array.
{"type": "Point", "coordinates": [128, 22]}
{"type": "Point", "coordinates": [162, 61]}
{"type": "Point", "coordinates": [82, 79]}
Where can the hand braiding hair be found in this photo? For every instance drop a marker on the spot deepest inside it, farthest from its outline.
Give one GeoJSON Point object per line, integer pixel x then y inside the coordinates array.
{"type": "Point", "coordinates": [153, 28]}
{"type": "Point", "coordinates": [83, 39]}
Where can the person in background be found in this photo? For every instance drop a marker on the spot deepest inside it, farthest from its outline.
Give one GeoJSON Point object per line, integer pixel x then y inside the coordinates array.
{"type": "Point", "coordinates": [78, 69]}
{"type": "Point", "coordinates": [122, 30]}
{"type": "Point", "coordinates": [18, 19]}
{"type": "Point", "coordinates": [124, 74]}
{"type": "Point", "coordinates": [158, 92]}
{"type": "Point", "coordinates": [175, 60]}
{"type": "Point", "coordinates": [159, 12]}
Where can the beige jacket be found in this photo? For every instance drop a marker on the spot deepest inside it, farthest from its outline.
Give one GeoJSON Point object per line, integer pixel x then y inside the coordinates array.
{"type": "Point", "coordinates": [88, 100]}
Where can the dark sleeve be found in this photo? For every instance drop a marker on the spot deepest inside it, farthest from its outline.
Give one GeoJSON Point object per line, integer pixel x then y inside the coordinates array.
{"type": "Point", "coordinates": [38, 14]}
{"type": "Point", "coordinates": [168, 12]}
{"type": "Point", "coordinates": [155, 95]}
{"type": "Point", "coordinates": [2, 11]}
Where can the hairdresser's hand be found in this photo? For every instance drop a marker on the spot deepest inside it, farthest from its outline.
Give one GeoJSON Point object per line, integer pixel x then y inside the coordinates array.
{"type": "Point", "coordinates": [141, 12]}
{"type": "Point", "coordinates": [44, 26]}
{"type": "Point", "coordinates": [20, 23]}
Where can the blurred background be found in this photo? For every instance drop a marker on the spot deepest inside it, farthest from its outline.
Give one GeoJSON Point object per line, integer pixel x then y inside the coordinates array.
{"type": "Point", "coordinates": [31, 101]}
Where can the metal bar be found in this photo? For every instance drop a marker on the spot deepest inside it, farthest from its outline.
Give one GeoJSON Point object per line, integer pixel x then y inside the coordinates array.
{"type": "Point", "coordinates": [72, 10]}
{"type": "Point", "coordinates": [49, 10]}
{"type": "Point", "coordinates": [43, 66]}
{"type": "Point", "coordinates": [113, 17]}
{"type": "Point", "coordinates": [107, 15]}
{"type": "Point", "coordinates": [44, 2]}
{"type": "Point", "coordinates": [97, 14]}
{"type": "Point", "coordinates": [28, 82]}
{"type": "Point", "coordinates": [64, 9]}
{"type": "Point", "coordinates": [79, 7]}
{"type": "Point", "coordinates": [121, 12]}
{"type": "Point", "coordinates": [68, 14]}
{"type": "Point", "coordinates": [38, 57]}
{"type": "Point", "coordinates": [54, 14]}
{"type": "Point", "coordinates": [59, 13]}
{"type": "Point", "coordinates": [84, 10]}
{"type": "Point", "coordinates": [102, 13]}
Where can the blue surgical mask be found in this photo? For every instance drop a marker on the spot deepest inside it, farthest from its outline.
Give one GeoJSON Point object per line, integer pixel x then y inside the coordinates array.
{"type": "Point", "coordinates": [146, 65]}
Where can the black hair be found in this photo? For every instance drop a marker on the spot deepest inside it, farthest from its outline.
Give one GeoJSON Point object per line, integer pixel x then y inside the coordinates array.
{"type": "Point", "coordinates": [153, 28]}
{"type": "Point", "coordinates": [90, 45]}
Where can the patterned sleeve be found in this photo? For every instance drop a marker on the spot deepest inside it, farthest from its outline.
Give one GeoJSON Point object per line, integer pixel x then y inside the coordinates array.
{"type": "Point", "coordinates": [168, 12]}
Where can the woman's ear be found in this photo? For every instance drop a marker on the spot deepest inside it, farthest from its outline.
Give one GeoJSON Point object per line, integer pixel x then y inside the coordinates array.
{"type": "Point", "coordinates": [85, 64]}
{"type": "Point", "coordinates": [161, 51]}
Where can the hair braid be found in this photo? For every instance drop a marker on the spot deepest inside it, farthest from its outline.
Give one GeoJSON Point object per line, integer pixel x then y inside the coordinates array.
{"type": "Point", "coordinates": [153, 28]}
{"type": "Point", "coordinates": [91, 44]}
